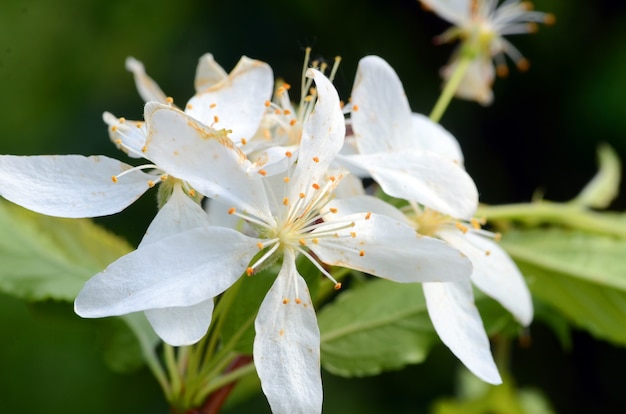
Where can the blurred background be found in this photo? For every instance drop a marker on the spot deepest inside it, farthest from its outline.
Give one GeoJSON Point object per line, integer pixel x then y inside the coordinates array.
{"type": "Point", "coordinates": [62, 65]}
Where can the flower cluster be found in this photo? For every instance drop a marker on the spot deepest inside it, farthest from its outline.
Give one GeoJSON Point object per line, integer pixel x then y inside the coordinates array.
{"type": "Point", "coordinates": [291, 175]}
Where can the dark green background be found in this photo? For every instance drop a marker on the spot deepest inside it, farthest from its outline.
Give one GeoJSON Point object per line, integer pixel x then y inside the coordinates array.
{"type": "Point", "coordinates": [62, 65]}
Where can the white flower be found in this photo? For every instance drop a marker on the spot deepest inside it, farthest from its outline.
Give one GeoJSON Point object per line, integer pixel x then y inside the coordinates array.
{"type": "Point", "coordinates": [293, 214]}
{"type": "Point", "coordinates": [481, 25]}
{"type": "Point", "coordinates": [384, 122]}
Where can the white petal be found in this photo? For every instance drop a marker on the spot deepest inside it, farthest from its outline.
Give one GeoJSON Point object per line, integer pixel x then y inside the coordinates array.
{"type": "Point", "coordinates": [494, 273]}
{"type": "Point", "coordinates": [237, 102]}
{"type": "Point", "coordinates": [208, 73]}
{"type": "Point", "coordinates": [287, 345]}
{"type": "Point", "coordinates": [181, 270]}
{"type": "Point", "coordinates": [383, 118]}
{"type": "Point", "coordinates": [205, 158]}
{"type": "Point", "coordinates": [180, 326]}
{"type": "Point", "coordinates": [322, 137]}
{"type": "Point", "coordinates": [147, 88]}
{"type": "Point", "coordinates": [359, 204]}
{"type": "Point", "coordinates": [423, 177]}
{"type": "Point", "coordinates": [128, 136]}
{"type": "Point", "coordinates": [179, 214]}
{"type": "Point", "coordinates": [454, 11]}
{"type": "Point", "coordinates": [477, 81]}
{"type": "Point", "coordinates": [350, 186]}
{"type": "Point", "coordinates": [431, 136]}
{"type": "Point", "coordinates": [70, 185]}
{"type": "Point", "coordinates": [388, 248]}
{"type": "Point", "coordinates": [457, 322]}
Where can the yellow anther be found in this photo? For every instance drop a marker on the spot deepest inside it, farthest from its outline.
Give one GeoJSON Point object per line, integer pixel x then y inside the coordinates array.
{"type": "Point", "coordinates": [285, 301]}
{"type": "Point", "coordinates": [532, 27]}
{"type": "Point", "coordinates": [163, 177]}
{"type": "Point", "coordinates": [249, 271]}
{"type": "Point", "coordinates": [333, 210]}
{"type": "Point", "coordinates": [298, 301]}
{"type": "Point", "coordinates": [121, 120]}
{"type": "Point", "coordinates": [316, 240]}
{"type": "Point", "coordinates": [353, 234]}
{"type": "Point", "coordinates": [293, 122]}
{"type": "Point", "coordinates": [316, 159]}
{"type": "Point", "coordinates": [216, 119]}
{"type": "Point", "coordinates": [461, 227]}
{"type": "Point", "coordinates": [362, 253]}
{"type": "Point", "coordinates": [281, 332]}
{"type": "Point", "coordinates": [262, 172]}
{"type": "Point", "coordinates": [139, 124]}
{"type": "Point", "coordinates": [244, 141]}
{"type": "Point", "coordinates": [213, 105]}
{"type": "Point", "coordinates": [259, 245]}
{"type": "Point", "coordinates": [337, 286]}
{"type": "Point", "coordinates": [355, 108]}
{"type": "Point", "coordinates": [286, 179]}
{"type": "Point", "coordinates": [151, 183]}
{"type": "Point", "coordinates": [277, 111]}
{"type": "Point", "coordinates": [487, 252]}
{"type": "Point", "coordinates": [288, 154]}
{"type": "Point", "coordinates": [192, 193]}
{"type": "Point", "coordinates": [114, 179]}
{"type": "Point", "coordinates": [169, 100]}
{"type": "Point", "coordinates": [268, 103]}
{"type": "Point", "coordinates": [286, 201]}
{"type": "Point", "coordinates": [523, 64]}
{"type": "Point", "coordinates": [497, 236]}
{"type": "Point", "coordinates": [286, 86]}
{"type": "Point", "coordinates": [144, 148]}
{"type": "Point", "coordinates": [113, 129]}
{"type": "Point", "coordinates": [286, 112]}
{"type": "Point", "coordinates": [368, 216]}
{"type": "Point", "coordinates": [308, 98]}
{"type": "Point", "coordinates": [302, 242]}
{"type": "Point", "coordinates": [302, 195]}
{"type": "Point", "coordinates": [332, 178]}
{"type": "Point", "coordinates": [231, 210]}
{"type": "Point", "coordinates": [316, 186]}
{"type": "Point", "coordinates": [189, 106]}
{"type": "Point", "coordinates": [118, 141]}
{"type": "Point", "coordinates": [342, 104]}
{"type": "Point", "coordinates": [475, 223]}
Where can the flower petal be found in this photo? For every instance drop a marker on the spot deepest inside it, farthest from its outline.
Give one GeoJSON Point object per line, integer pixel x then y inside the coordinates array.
{"type": "Point", "coordinates": [388, 248]}
{"type": "Point", "coordinates": [180, 270]}
{"type": "Point", "coordinates": [322, 137]}
{"type": "Point", "coordinates": [179, 214]}
{"type": "Point", "coordinates": [70, 185]}
{"type": "Point", "coordinates": [454, 11]}
{"type": "Point", "coordinates": [236, 102]}
{"type": "Point", "coordinates": [383, 117]}
{"type": "Point", "coordinates": [494, 273]}
{"type": "Point", "coordinates": [128, 136]}
{"type": "Point", "coordinates": [430, 136]}
{"type": "Point", "coordinates": [477, 81]}
{"type": "Point", "coordinates": [180, 326]}
{"type": "Point", "coordinates": [287, 345]}
{"type": "Point", "coordinates": [457, 322]}
{"type": "Point", "coordinates": [359, 204]}
{"type": "Point", "coordinates": [208, 73]}
{"type": "Point", "coordinates": [424, 177]}
{"type": "Point", "coordinates": [204, 157]}
{"type": "Point", "coordinates": [147, 88]}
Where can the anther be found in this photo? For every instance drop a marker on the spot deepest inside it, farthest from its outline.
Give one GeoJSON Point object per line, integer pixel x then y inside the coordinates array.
{"type": "Point", "coordinates": [288, 154]}
{"type": "Point", "coordinates": [353, 234]}
{"type": "Point", "coordinates": [286, 179]}
{"type": "Point", "coordinates": [497, 236]}
{"type": "Point", "coordinates": [285, 301]}
{"type": "Point", "coordinates": [316, 159]}
{"type": "Point", "coordinates": [293, 122]}
{"type": "Point", "coordinates": [298, 301]}
{"type": "Point", "coordinates": [121, 120]}
{"type": "Point", "coordinates": [461, 227]}
{"type": "Point", "coordinates": [302, 195]}
{"type": "Point", "coordinates": [362, 253]}
{"type": "Point", "coordinates": [355, 108]}
{"type": "Point", "coordinates": [487, 252]}
{"type": "Point", "coordinates": [368, 216]}
{"type": "Point", "coordinates": [151, 183]}
{"type": "Point", "coordinates": [231, 210]}
{"type": "Point", "coordinates": [286, 112]}
{"type": "Point", "coordinates": [169, 100]}
{"type": "Point", "coordinates": [337, 286]}
{"type": "Point", "coordinates": [244, 141]}
{"type": "Point", "coordinates": [286, 201]}
{"type": "Point", "coordinates": [316, 186]}
{"type": "Point", "coordinates": [216, 119]}
{"type": "Point", "coordinates": [302, 242]}
{"type": "Point", "coordinates": [114, 179]}
{"type": "Point", "coordinates": [549, 19]}
{"type": "Point", "coordinates": [213, 105]}
{"type": "Point", "coordinates": [523, 64]}
{"type": "Point", "coordinates": [333, 210]}
{"type": "Point", "coordinates": [262, 172]}
{"type": "Point", "coordinates": [502, 70]}
{"type": "Point", "coordinates": [316, 240]}
{"type": "Point", "coordinates": [189, 106]}
{"type": "Point", "coordinates": [268, 103]}
{"type": "Point", "coordinates": [259, 245]}
{"type": "Point", "coordinates": [113, 129]}
{"type": "Point", "coordinates": [249, 271]}
{"type": "Point", "coordinates": [475, 223]}
{"type": "Point", "coordinates": [192, 193]}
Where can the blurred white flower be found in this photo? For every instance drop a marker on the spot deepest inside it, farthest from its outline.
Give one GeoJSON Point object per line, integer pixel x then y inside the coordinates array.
{"type": "Point", "coordinates": [481, 26]}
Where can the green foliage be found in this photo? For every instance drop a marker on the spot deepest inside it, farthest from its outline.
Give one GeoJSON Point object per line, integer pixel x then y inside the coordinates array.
{"type": "Point", "coordinates": [379, 326]}
{"type": "Point", "coordinates": [604, 187]}
{"type": "Point", "coordinates": [582, 275]}
{"type": "Point", "coordinates": [50, 258]}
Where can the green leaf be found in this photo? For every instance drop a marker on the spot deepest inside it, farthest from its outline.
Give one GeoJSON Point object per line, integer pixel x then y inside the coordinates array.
{"type": "Point", "coordinates": [604, 186]}
{"type": "Point", "coordinates": [582, 275]}
{"type": "Point", "coordinates": [51, 258]}
{"type": "Point", "coordinates": [379, 326]}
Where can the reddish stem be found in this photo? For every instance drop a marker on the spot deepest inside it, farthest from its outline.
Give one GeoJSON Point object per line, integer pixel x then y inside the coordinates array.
{"type": "Point", "coordinates": [214, 402]}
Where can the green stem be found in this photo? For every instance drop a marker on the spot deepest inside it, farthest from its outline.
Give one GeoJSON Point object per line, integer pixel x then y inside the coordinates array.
{"type": "Point", "coordinates": [566, 214]}
{"type": "Point", "coordinates": [451, 87]}
{"type": "Point", "coordinates": [172, 369]}
{"type": "Point", "coordinates": [227, 378]}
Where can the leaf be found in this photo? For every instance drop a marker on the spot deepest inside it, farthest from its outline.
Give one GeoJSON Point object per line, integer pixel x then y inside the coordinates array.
{"type": "Point", "coordinates": [379, 326]}
{"type": "Point", "coordinates": [604, 186]}
{"type": "Point", "coordinates": [582, 275]}
{"type": "Point", "coordinates": [50, 258]}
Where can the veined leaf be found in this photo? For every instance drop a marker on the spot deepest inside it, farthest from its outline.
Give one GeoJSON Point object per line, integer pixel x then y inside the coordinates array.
{"type": "Point", "coordinates": [583, 275]}
{"type": "Point", "coordinates": [48, 257]}
{"type": "Point", "coordinates": [379, 326]}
